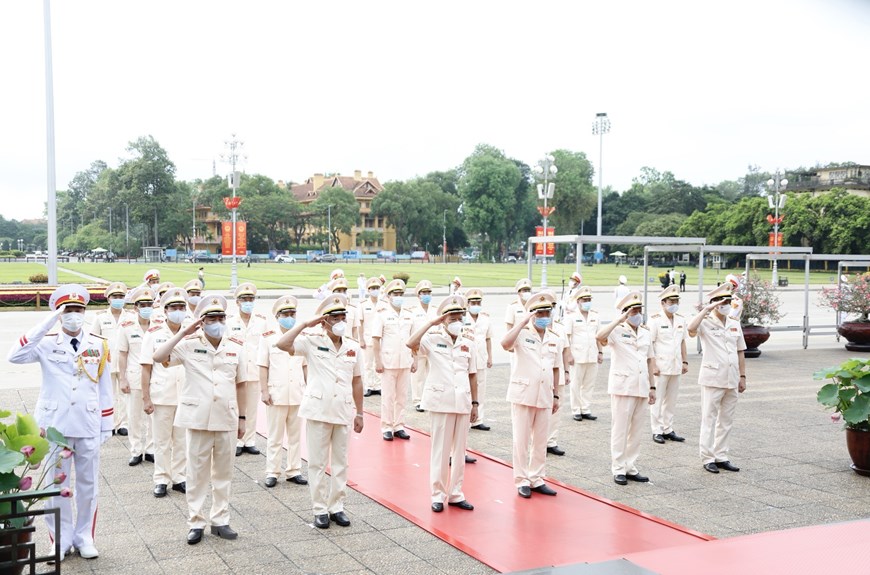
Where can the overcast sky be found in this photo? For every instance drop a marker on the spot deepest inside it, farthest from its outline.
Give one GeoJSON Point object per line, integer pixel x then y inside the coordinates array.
{"type": "Point", "coordinates": [702, 89]}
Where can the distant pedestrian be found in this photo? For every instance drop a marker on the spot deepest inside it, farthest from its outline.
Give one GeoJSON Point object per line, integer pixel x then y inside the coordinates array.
{"type": "Point", "coordinates": [682, 281]}
{"type": "Point", "coordinates": [621, 289]}
{"type": "Point", "coordinates": [672, 275]}
{"type": "Point", "coordinates": [361, 286]}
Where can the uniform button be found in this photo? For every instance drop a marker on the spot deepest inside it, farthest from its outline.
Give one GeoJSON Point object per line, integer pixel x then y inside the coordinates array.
{"type": "Point", "coordinates": [72, 402]}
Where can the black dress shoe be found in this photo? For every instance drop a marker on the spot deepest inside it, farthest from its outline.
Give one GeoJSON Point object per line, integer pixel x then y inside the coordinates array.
{"type": "Point", "coordinates": [149, 457]}
{"type": "Point", "coordinates": [462, 505]}
{"type": "Point", "coordinates": [160, 490]}
{"type": "Point", "coordinates": [578, 417]}
{"type": "Point", "coordinates": [419, 409]}
{"type": "Point", "coordinates": [388, 436]}
{"type": "Point", "coordinates": [339, 519]}
{"type": "Point", "coordinates": [437, 507]}
{"type": "Point", "coordinates": [555, 450]}
{"type": "Point", "coordinates": [223, 531]}
{"type": "Point", "coordinates": [122, 431]}
{"type": "Point", "coordinates": [238, 451]}
{"type": "Point", "coordinates": [727, 466]}
{"type": "Point", "coordinates": [376, 392]}
{"type": "Point", "coordinates": [368, 393]}
{"type": "Point", "coordinates": [620, 479]}
{"type": "Point", "coordinates": [194, 536]}
{"type": "Point", "coordinates": [252, 449]}
{"type": "Point", "coordinates": [524, 491]}
{"type": "Point", "coordinates": [481, 427]}
{"type": "Point", "coordinates": [321, 521]}
{"type": "Point", "coordinates": [637, 477]}
{"type": "Point", "coordinates": [674, 437]}
{"type": "Point", "coordinates": [271, 482]}
{"type": "Point", "coordinates": [135, 460]}
{"type": "Point", "coordinates": [470, 459]}
{"type": "Point", "coordinates": [180, 487]}
{"type": "Point", "coordinates": [711, 467]}
{"type": "Point", "coordinates": [589, 416]}
{"type": "Point", "coordinates": [401, 434]}
{"type": "Point", "coordinates": [298, 480]}
{"type": "Point", "coordinates": [658, 438]}
{"type": "Point", "coordinates": [544, 489]}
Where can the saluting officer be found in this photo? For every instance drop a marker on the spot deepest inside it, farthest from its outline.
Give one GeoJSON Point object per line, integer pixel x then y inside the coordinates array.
{"type": "Point", "coordinates": [107, 324]}
{"type": "Point", "coordinates": [533, 390]}
{"type": "Point", "coordinates": [668, 333]}
{"type": "Point", "coordinates": [422, 311]}
{"type": "Point", "coordinates": [392, 328]}
{"type": "Point", "coordinates": [332, 402]}
{"type": "Point", "coordinates": [369, 310]}
{"type": "Point", "coordinates": [248, 326]}
{"type": "Point", "coordinates": [76, 398]}
{"type": "Point", "coordinates": [160, 388]}
{"type": "Point", "coordinates": [517, 308]}
{"type": "Point", "coordinates": [479, 329]}
{"type": "Point", "coordinates": [210, 407]}
{"type": "Point", "coordinates": [282, 380]}
{"type": "Point", "coordinates": [339, 286]}
{"type": "Point", "coordinates": [630, 385]}
{"type": "Point", "coordinates": [581, 325]}
{"type": "Point", "coordinates": [450, 397]}
{"type": "Point", "coordinates": [722, 376]}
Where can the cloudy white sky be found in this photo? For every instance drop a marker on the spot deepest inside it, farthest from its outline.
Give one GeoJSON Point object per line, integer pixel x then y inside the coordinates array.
{"type": "Point", "coordinates": [702, 89]}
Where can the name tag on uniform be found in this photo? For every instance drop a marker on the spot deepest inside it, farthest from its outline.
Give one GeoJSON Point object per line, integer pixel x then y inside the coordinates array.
{"type": "Point", "coordinates": [200, 351]}
{"type": "Point", "coordinates": [530, 341]}
{"type": "Point", "coordinates": [665, 327]}
{"type": "Point", "coordinates": [444, 345]}
{"type": "Point", "coordinates": [733, 329]}
{"type": "Point", "coordinates": [164, 340]}
{"type": "Point", "coordinates": [628, 335]}
{"type": "Point", "coordinates": [237, 329]}
{"type": "Point", "coordinates": [58, 351]}
{"type": "Point", "coordinates": [319, 348]}
{"type": "Point", "coordinates": [134, 336]}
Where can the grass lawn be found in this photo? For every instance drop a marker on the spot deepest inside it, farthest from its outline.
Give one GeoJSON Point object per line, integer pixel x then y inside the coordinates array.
{"type": "Point", "coordinates": [312, 275]}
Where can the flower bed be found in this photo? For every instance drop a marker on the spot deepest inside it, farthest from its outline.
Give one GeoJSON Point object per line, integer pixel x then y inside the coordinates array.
{"type": "Point", "coordinates": [36, 297]}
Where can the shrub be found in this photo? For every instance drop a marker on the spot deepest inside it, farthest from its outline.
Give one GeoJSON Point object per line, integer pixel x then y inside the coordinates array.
{"type": "Point", "coordinates": [39, 279]}
{"type": "Point", "coordinates": [402, 276]}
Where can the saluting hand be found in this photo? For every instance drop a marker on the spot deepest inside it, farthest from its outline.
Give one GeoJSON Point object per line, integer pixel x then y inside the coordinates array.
{"type": "Point", "coordinates": [189, 330]}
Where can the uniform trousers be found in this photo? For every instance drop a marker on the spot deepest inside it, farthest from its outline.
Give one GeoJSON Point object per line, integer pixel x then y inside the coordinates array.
{"type": "Point", "coordinates": [281, 421]}
{"type": "Point", "coordinates": [717, 415]}
{"type": "Point", "coordinates": [418, 378]}
{"type": "Point", "coordinates": [139, 433]}
{"type": "Point", "coordinates": [170, 452]}
{"type": "Point", "coordinates": [530, 426]}
{"type": "Point", "coordinates": [661, 413]}
{"type": "Point", "coordinates": [553, 431]}
{"type": "Point", "coordinates": [327, 445]}
{"type": "Point", "coordinates": [373, 378]}
{"type": "Point", "coordinates": [481, 394]}
{"type": "Point", "coordinates": [394, 396]}
{"type": "Point", "coordinates": [120, 402]}
{"type": "Point", "coordinates": [210, 457]}
{"type": "Point", "coordinates": [627, 413]}
{"type": "Point", "coordinates": [252, 393]}
{"type": "Point", "coordinates": [86, 459]}
{"type": "Point", "coordinates": [583, 376]}
{"type": "Point", "coordinates": [449, 439]}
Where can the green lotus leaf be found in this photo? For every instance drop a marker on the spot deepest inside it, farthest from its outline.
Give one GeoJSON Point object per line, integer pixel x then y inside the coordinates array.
{"type": "Point", "coordinates": [26, 425]}
{"type": "Point", "coordinates": [40, 446]}
{"type": "Point", "coordinates": [859, 411]}
{"type": "Point", "coordinates": [56, 437]}
{"type": "Point", "coordinates": [9, 460]}
{"type": "Point", "coordinates": [829, 395]}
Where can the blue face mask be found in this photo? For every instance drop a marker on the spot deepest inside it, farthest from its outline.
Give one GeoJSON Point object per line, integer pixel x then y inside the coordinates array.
{"type": "Point", "coordinates": [426, 298]}
{"type": "Point", "coordinates": [145, 312]}
{"type": "Point", "coordinates": [542, 322]}
{"type": "Point", "coordinates": [398, 300]}
{"type": "Point", "coordinates": [117, 303]}
{"type": "Point", "coordinates": [287, 322]}
{"type": "Point", "coordinates": [247, 307]}
{"type": "Point", "coordinates": [474, 309]}
{"type": "Point", "coordinates": [586, 305]}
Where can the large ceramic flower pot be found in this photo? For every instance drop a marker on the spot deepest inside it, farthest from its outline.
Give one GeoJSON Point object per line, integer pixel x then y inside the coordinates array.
{"type": "Point", "coordinates": [754, 335]}
{"type": "Point", "coordinates": [857, 333]}
{"type": "Point", "coordinates": [858, 444]}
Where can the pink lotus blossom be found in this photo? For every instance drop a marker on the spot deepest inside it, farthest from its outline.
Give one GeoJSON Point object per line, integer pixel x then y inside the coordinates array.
{"type": "Point", "coordinates": [28, 450]}
{"type": "Point", "coordinates": [59, 478]}
{"type": "Point", "coordinates": [835, 417]}
{"type": "Point", "coordinates": [25, 483]}
{"type": "Point", "coordinates": [42, 432]}
{"type": "Point", "coordinates": [66, 492]}
{"type": "Point", "coordinates": [66, 453]}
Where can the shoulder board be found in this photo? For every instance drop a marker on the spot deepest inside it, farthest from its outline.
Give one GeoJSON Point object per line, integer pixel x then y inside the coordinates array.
{"type": "Point", "coordinates": [486, 313]}
{"type": "Point", "coordinates": [259, 315]}
{"type": "Point", "coordinates": [53, 334]}
{"type": "Point", "coordinates": [655, 315]}
{"type": "Point", "coordinates": [350, 339]}
{"type": "Point", "coordinates": [97, 336]}
{"type": "Point", "coordinates": [192, 336]}
{"type": "Point", "coordinates": [154, 328]}
{"type": "Point", "coordinates": [158, 320]}
{"type": "Point", "coordinates": [126, 323]}
{"type": "Point", "coordinates": [268, 333]}
{"type": "Point", "coordinates": [643, 325]}
{"type": "Point", "coordinates": [238, 341]}
{"type": "Point", "coordinates": [468, 336]}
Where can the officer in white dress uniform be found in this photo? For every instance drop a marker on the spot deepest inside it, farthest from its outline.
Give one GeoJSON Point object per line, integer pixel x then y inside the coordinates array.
{"type": "Point", "coordinates": [391, 329]}
{"type": "Point", "coordinates": [722, 376]}
{"type": "Point", "coordinates": [368, 311]}
{"type": "Point", "coordinates": [194, 294]}
{"type": "Point", "coordinates": [332, 402]}
{"type": "Point", "coordinates": [533, 390]}
{"type": "Point", "coordinates": [450, 397]}
{"type": "Point", "coordinates": [668, 332]}
{"type": "Point", "coordinates": [159, 292]}
{"type": "Point", "coordinates": [76, 399]}
{"type": "Point", "coordinates": [107, 324]}
{"type": "Point", "coordinates": [517, 308]}
{"type": "Point", "coordinates": [422, 310]}
{"type": "Point", "coordinates": [211, 405]}
{"type": "Point", "coordinates": [630, 385]}
{"type": "Point", "coordinates": [339, 286]}
{"type": "Point", "coordinates": [479, 329]}
{"type": "Point", "coordinates": [282, 381]}
{"type": "Point", "coordinates": [581, 326]}
{"type": "Point", "coordinates": [160, 389]}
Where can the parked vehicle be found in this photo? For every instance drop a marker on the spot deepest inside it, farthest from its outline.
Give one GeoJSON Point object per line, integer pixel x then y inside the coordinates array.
{"type": "Point", "coordinates": [325, 258]}
{"type": "Point", "coordinates": [284, 259]}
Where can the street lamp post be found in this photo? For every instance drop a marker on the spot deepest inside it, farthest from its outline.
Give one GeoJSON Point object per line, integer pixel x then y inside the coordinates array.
{"type": "Point", "coordinates": [444, 237]}
{"type": "Point", "coordinates": [234, 157]}
{"type": "Point", "coordinates": [127, 226]}
{"type": "Point", "coordinates": [776, 202]}
{"type": "Point", "coordinates": [546, 168]}
{"type": "Point", "coordinates": [329, 228]}
{"type": "Point", "coordinates": [600, 126]}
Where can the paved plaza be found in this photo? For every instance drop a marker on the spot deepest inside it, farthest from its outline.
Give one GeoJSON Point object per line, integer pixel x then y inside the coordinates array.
{"type": "Point", "coordinates": [793, 459]}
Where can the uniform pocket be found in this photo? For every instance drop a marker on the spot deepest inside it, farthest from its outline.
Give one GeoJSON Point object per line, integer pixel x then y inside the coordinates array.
{"type": "Point", "coordinates": [192, 401]}
{"type": "Point", "coordinates": [93, 407]}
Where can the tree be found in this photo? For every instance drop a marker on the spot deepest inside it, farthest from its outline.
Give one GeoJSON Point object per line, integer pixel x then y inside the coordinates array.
{"type": "Point", "coordinates": [342, 209]}
{"type": "Point", "coordinates": [575, 198]}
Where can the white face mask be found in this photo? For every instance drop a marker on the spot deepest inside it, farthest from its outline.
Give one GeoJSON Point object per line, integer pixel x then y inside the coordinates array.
{"type": "Point", "coordinates": [176, 316]}
{"type": "Point", "coordinates": [673, 308]}
{"type": "Point", "coordinates": [524, 295]}
{"type": "Point", "coordinates": [214, 330]}
{"type": "Point", "coordinates": [194, 300]}
{"type": "Point", "coordinates": [635, 320]}
{"type": "Point", "coordinates": [724, 309]}
{"type": "Point", "coordinates": [374, 292]}
{"type": "Point", "coordinates": [397, 301]}
{"type": "Point", "coordinates": [339, 328]}
{"type": "Point", "coordinates": [145, 312]}
{"type": "Point", "coordinates": [454, 328]}
{"type": "Point", "coordinates": [73, 321]}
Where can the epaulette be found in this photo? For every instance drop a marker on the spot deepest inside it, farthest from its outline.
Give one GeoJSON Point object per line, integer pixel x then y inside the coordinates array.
{"type": "Point", "coordinates": [238, 341]}
{"type": "Point", "coordinates": [126, 323]}
{"type": "Point", "coordinates": [192, 336]}
{"type": "Point", "coordinates": [268, 333]}
{"type": "Point", "coordinates": [154, 328]}
{"type": "Point", "coordinates": [348, 338]}
{"type": "Point", "coordinates": [259, 315]}
{"type": "Point", "coordinates": [486, 313]}
{"type": "Point", "coordinates": [655, 315]}
{"type": "Point", "coordinates": [53, 333]}
{"type": "Point", "coordinates": [158, 320]}
{"type": "Point", "coordinates": [469, 337]}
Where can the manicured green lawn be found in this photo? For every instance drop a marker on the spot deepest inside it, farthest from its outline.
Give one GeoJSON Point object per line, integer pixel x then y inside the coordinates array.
{"type": "Point", "coordinates": [12, 272]}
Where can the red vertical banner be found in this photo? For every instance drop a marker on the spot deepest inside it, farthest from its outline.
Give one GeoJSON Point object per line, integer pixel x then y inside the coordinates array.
{"type": "Point", "coordinates": [774, 239]}
{"type": "Point", "coordinates": [227, 238]}
{"type": "Point", "coordinates": [241, 238]}
{"type": "Point", "coordinates": [539, 248]}
{"type": "Point", "coordinates": [545, 249]}
{"type": "Point", "coordinates": [551, 248]}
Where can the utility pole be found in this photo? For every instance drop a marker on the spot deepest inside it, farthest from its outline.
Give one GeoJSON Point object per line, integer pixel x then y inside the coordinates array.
{"type": "Point", "coordinates": [234, 157]}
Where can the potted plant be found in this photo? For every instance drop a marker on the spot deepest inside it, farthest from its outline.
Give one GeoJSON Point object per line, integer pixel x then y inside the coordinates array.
{"type": "Point", "coordinates": [761, 308]}
{"type": "Point", "coordinates": [23, 480]}
{"type": "Point", "coordinates": [849, 395]}
{"type": "Point", "coordinates": [851, 297]}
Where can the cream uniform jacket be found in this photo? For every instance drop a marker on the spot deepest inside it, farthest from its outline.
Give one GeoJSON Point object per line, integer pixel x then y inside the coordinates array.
{"type": "Point", "coordinates": [531, 378]}
{"type": "Point", "coordinates": [448, 388]}
{"type": "Point", "coordinates": [515, 311]}
{"type": "Point", "coordinates": [286, 379]}
{"type": "Point", "coordinates": [479, 330]}
{"type": "Point", "coordinates": [207, 400]}
{"type": "Point", "coordinates": [250, 335]}
{"type": "Point", "coordinates": [719, 367]}
{"type": "Point", "coordinates": [394, 328]}
{"type": "Point", "coordinates": [166, 382]}
{"type": "Point", "coordinates": [421, 316]}
{"type": "Point", "coordinates": [581, 335]}
{"type": "Point", "coordinates": [667, 340]}
{"type": "Point", "coordinates": [368, 310]}
{"type": "Point", "coordinates": [328, 395]}
{"type": "Point", "coordinates": [629, 372]}
{"type": "Point", "coordinates": [105, 326]}
{"type": "Point", "coordinates": [130, 338]}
